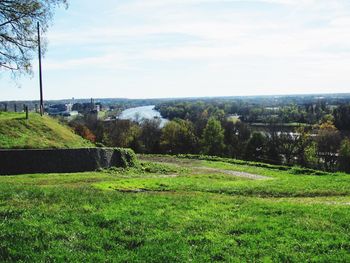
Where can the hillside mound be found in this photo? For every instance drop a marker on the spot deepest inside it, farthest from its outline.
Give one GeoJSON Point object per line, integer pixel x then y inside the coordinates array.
{"type": "Point", "coordinates": [36, 133]}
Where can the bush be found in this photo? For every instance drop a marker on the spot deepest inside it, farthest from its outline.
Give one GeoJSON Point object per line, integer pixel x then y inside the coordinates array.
{"type": "Point", "coordinates": [123, 157]}
{"type": "Point", "coordinates": [344, 156]}
{"type": "Point", "coordinates": [307, 171]}
{"type": "Point", "coordinates": [85, 132]}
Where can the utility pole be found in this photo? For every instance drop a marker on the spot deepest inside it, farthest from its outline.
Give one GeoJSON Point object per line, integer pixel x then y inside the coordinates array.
{"type": "Point", "coordinates": [40, 75]}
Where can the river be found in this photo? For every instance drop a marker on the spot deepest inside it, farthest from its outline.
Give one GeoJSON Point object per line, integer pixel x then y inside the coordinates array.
{"type": "Point", "coordinates": [144, 112]}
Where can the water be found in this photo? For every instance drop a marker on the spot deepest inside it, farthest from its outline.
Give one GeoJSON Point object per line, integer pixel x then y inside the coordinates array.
{"type": "Point", "coordinates": [144, 112]}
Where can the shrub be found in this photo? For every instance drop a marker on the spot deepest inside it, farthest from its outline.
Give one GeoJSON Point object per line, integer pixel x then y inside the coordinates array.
{"type": "Point", "coordinates": [344, 156]}
{"type": "Point", "coordinates": [123, 157]}
{"type": "Point", "coordinates": [84, 132]}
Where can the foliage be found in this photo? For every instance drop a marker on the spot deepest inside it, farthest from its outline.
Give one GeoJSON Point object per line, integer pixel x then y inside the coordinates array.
{"type": "Point", "coordinates": [310, 155]}
{"type": "Point", "coordinates": [302, 141]}
{"type": "Point", "coordinates": [178, 137]}
{"type": "Point", "coordinates": [273, 145]}
{"type": "Point", "coordinates": [18, 30]}
{"type": "Point", "coordinates": [250, 110]}
{"type": "Point", "coordinates": [328, 142]}
{"type": "Point", "coordinates": [150, 136]}
{"type": "Point", "coordinates": [344, 156]}
{"type": "Point", "coordinates": [255, 147]}
{"type": "Point", "coordinates": [121, 133]}
{"type": "Point", "coordinates": [236, 134]}
{"type": "Point", "coordinates": [125, 157]}
{"type": "Point", "coordinates": [85, 132]}
{"type": "Point", "coordinates": [213, 138]}
{"type": "Point", "coordinates": [342, 117]}
{"type": "Point", "coordinates": [288, 146]}
{"type": "Point", "coordinates": [191, 130]}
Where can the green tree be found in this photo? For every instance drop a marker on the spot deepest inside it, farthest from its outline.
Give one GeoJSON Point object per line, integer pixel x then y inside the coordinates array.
{"type": "Point", "coordinates": [236, 135]}
{"type": "Point", "coordinates": [121, 133]}
{"type": "Point", "coordinates": [213, 138]}
{"type": "Point", "coordinates": [342, 117]}
{"type": "Point", "coordinates": [344, 156]}
{"type": "Point", "coordinates": [18, 31]}
{"type": "Point", "coordinates": [178, 137]}
{"type": "Point", "coordinates": [288, 146]}
{"type": "Point", "coordinates": [328, 143]}
{"type": "Point", "coordinates": [231, 139]}
{"type": "Point", "coordinates": [302, 141]}
{"type": "Point", "coordinates": [310, 156]}
{"type": "Point", "coordinates": [272, 148]}
{"type": "Point", "coordinates": [150, 135]}
{"type": "Point", "coordinates": [255, 147]}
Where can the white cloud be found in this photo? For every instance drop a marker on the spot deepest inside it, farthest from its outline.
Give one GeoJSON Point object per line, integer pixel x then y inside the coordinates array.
{"type": "Point", "coordinates": [111, 61]}
{"type": "Point", "coordinates": [299, 42]}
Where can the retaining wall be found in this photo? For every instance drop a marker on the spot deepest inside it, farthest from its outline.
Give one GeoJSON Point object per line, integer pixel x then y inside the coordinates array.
{"type": "Point", "coordinates": [14, 162]}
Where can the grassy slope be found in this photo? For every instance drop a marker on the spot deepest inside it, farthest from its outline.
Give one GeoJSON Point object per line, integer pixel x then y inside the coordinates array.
{"type": "Point", "coordinates": [37, 132]}
{"type": "Point", "coordinates": [175, 212]}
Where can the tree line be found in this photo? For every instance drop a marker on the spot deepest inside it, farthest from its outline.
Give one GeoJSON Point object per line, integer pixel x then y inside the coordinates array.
{"type": "Point", "coordinates": [203, 128]}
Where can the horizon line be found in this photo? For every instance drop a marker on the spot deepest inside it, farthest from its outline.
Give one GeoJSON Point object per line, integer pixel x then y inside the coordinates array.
{"type": "Point", "coordinates": [191, 98]}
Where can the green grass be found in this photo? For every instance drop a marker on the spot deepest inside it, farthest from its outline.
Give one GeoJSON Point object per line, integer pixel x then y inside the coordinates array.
{"type": "Point", "coordinates": [176, 211]}
{"type": "Point", "coordinates": [37, 132]}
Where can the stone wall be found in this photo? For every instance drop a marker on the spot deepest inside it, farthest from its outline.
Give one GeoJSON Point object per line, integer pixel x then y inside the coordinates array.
{"type": "Point", "coordinates": [14, 162]}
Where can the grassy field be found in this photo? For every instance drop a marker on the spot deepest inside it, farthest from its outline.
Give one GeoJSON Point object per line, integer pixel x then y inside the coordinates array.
{"type": "Point", "coordinates": [37, 132]}
{"type": "Point", "coordinates": [176, 210]}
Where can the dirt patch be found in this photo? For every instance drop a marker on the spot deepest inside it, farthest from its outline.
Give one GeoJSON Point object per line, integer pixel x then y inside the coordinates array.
{"type": "Point", "coordinates": [168, 176]}
{"type": "Point", "coordinates": [170, 160]}
{"type": "Point", "coordinates": [337, 203]}
{"type": "Point", "coordinates": [195, 165]}
{"type": "Point", "coordinates": [141, 190]}
{"type": "Point", "coordinates": [233, 173]}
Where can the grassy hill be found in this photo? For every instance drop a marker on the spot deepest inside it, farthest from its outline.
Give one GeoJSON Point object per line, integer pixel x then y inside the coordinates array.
{"type": "Point", "coordinates": [37, 132]}
{"type": "Point", "coordinates": [176, 210]}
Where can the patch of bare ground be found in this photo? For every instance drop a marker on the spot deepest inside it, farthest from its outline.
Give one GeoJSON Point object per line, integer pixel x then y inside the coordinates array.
{"type": "Point", "coordinates": [337, 203]}
{"type": "Point", "coordinates": [195, 165]}
{"type": "Point", "coordinates": [168, 175]}
{"type": "Point", "coordinates": [141, 190]}
{"type": "Point", "coordinates": [233, 173]}
{"type": "Point", "coordinates": [169, 160]}
{"type": "Point", "coordinates": [316, 200]}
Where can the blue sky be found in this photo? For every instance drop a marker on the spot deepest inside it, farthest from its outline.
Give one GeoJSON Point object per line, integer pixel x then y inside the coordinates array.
{"type": "Point", "coordinates": [191, 48]}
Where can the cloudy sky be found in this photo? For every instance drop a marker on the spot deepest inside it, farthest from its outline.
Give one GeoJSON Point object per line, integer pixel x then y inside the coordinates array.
{"type": "Point", "coordinates": [186, 48]}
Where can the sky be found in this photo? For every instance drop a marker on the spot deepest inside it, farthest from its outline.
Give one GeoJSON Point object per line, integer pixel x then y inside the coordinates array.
{"type": "Point", "coordinates": [192, 48]}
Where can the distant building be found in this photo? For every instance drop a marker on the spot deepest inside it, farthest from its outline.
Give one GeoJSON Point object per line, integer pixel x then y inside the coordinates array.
{"type": "Point", "coordinates": [86, 108]}
{"type": "Point", "coordinates": [61, 110]}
